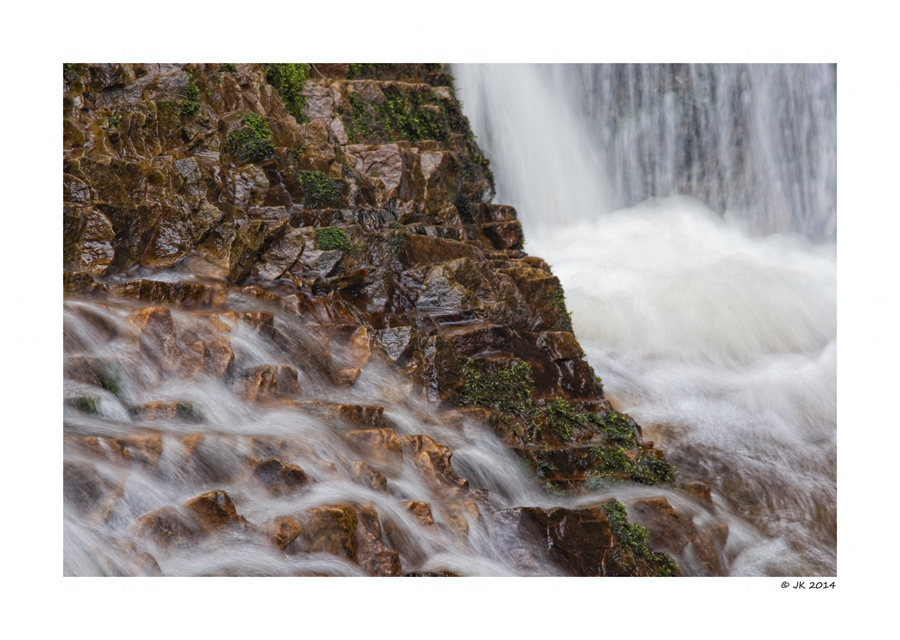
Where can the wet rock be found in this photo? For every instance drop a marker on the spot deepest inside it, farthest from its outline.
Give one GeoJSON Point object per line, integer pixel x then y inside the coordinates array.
{"type": "Point", "coordinates": [93, 371]}
{"type": "Point", "coordinates": [372, 554]}
{"type": "Point", "coordinates": [366, 476]}
{"type": "Point", "coordinates": [157, 333]}
{"type": "Point", "coordinates": [381, 447]}
{"type": "Point", "coordinates": [345, 377]}
{"type": "Point", "coordinates": [214, 511]}
{"type": "Point", "coordinates": [504, 235]}
{"type": "Point", "coordinates": [364, 415]}
{"type": "Point", "coordinates": [480, 340]}
{"type": "Point", "coordinates": [153, 411]}
{"type": "Point", "coordinates": [666, 531]}
{"type": "Point", "coordinates": [261, 322]}
{"type": "Point", "coordinates": [218, 356]}
{"type": "Point", "coordinates": [185, 294]}
{"type": "Point", "coordinates": [580, 541]}
{"type": "Point", "coordinates": [83, 487]}
{"type": "Point", "coordinates": [561, 345]}
{"type": "Point", "coordinates": [284, 531]}
{"type": "Point", "coordinates": [268, 382]}
{"type": "Point", "coordinates": [457, 516]}
{"type": "Point", "coordinates": [330, 529]}
{"type": "Point", "coordinates": [281, 256]}
{"type": "Point", "coordinates": [167, 527]}
{"type": "Point", "coordinates": [144, 450]}
{"type": "Point", "coordinates": [75, 283]}
{"type": "Point", "coordinates": [421, 511]}
{"type": "Point", "coordinates": [432, 461]}
{"type": "Point", "coordinates": [396, 343]}
{"type": "Point", "coordinates": [279, 478]}
{"type": "Point", "coordinates": [700, 491]}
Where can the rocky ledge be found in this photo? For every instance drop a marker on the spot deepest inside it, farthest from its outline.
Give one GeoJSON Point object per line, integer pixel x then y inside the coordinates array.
{"type": "Point", "coordinates": [342, 213]}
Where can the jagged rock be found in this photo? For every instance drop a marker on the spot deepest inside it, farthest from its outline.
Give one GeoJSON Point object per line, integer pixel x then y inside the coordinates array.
{"type": "Point", "coordinates": [279, 478]}
{"type": "Point", "coordinates": [167, 527]}
{"type": "Point", "coordinates": [345, 377]}
{"type": "Point", "coordinates": [284, 531]}
{"type": "Point", "coordinates": [665, 529]}
{"type": "Point", "coordinates": [580, 541]}
{"type": "Point", "coordinates": [261, 322]}
{"type": "Point", "coordinates": [363, 415]}
{"type": "Point", "coordinates": [268, 382]}
{"type": "Point", "coordinates": [372, 554]}
{"type": "Point", "coordinates": [367, 476]}
{"type": "Point", "coordinates": [215, 511]}
{"type": "Point", "coordinates": [330, 529]}
{"type": "Point", "coordinates": [186, 294]}
{"type": "Point", "coordinates": [421, 511]}
{"type": "Point", "coordinates": [432, 460]}
{"type": "Point", "coordinates": [381, 447]}
{"type": "Point", "coordinates": [141, 449]}
{"type": "Point", "coordinates": [480, 340]}
{"type": "Point", "coordinates": [157, 332]}
{"type": "Point", "coordinates": [396, 343]}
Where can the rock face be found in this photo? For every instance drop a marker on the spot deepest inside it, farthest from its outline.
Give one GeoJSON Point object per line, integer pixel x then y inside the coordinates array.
{"type": "Point", "coordinates": [346, 211]}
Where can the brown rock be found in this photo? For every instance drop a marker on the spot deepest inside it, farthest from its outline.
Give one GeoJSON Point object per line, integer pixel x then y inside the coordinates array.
{"type": "Point", "coordinates": [363, 415]}
{"type": "Point", "coordinates": [157, 333]}
{"type": "Point", "coordinates": [372, 554]}
{"type": "Point", "coordinates": [561, 345]}
{"type": "Point", "coordinates": [396, 343]}
{"type": "Point", "coordinates": [262, 322]}
{"type": "Point", "coordinates": [84, 487]}
{"type": "Point", "coordinates": [331, 529]}
{"type": "Point", "coordinates": [666, 531]}
{"type": "Point", "coordinates": [480, 340]}
{"type": "Point", "coordinates": [284, 531]}
{"type": "Point", "coordinates": [421, 511]}
{"type": "Point", "coordinates": [504, 235]}
{"type": "Point", "coordinates": [184, 294]}
{"type": "Point", "coordinates": [218, 356]}
{"type": "Point", "coordinates": [381, 447]}
{"type": "Point", "coordinates": [214, 511]}
{"type": "Point", "coordinates": [167, 527]}
{"type": "Point", "coordinates": [579, 541]}
{"type": "Point", "coordinates": [268, 382]}
{"type": "Point", "coordinates": [432, 460]}
{"type": "Point", "coordinates": [280, 479]}
{"type": "Point", "coordinates": [345, 377]}
{"type": "Point", "coordinates": [143, 449]}
{"type": "Point", "coordinates": [367, 476]}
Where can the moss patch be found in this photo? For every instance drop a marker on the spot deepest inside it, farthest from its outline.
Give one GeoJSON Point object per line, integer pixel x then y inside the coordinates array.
{"type": "Point", "coordinates": [404, 115]}
{"type": "Point", "coordinates": [634, 537]}
{"type": "Point", "coordinates": [252, 142]}
{"type": "Point", "coordinates": [189, 105]}
{"type": "Point", "coordinates": [563, 418]}
{"type": "Point", "coordinates": [330, 238]}
{"type": "Point", "coordinates": [288, 81]}
{"type": "Point", "coordinates": [318, 189]}
{"type": "Point", "coordinates": [505, 389]}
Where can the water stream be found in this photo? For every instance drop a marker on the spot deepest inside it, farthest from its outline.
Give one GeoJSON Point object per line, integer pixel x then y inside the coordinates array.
{"type": "Point", "coordinates": [689, 212]}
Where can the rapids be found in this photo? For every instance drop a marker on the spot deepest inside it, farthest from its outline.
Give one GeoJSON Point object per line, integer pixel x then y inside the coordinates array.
{"type": "Point", "coordinates": [689, 212]}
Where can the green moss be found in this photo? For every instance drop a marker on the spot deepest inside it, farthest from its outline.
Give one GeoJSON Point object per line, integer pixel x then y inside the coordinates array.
{"type": "Point", "coordinates": [288, 81]}
{"type": "Point", "coordinates": [318, 189]}
{"type": "Point", "coordinates": [253, 141]}
{"type": "Point", "coordinates": [330, 238]}
{"type": "Point", "coordinates": [404, 115]}
{"type": "Point", "coordinates": [85, 404]}
{"type": "Point", "coordinates": [227, 67]}
{"type": "Point", "coordinates": [634, 537]}
{"type": "Point", "coordinates": [559, 301]}
{"type": "Point", "coordinates": [651, 470]}
{"type": "Point", "coordinates": [615, 427]}
{"type": "Point", "coordinates": [69, 72]}
{"type": "Point", "coordinates": [563, 418]}
{"type": "Point", "coordinates": [612, 462]}
{"type": "Point", "coordinates": [506, 389]}
{"type": "Point", "coordinates": [189, 105]}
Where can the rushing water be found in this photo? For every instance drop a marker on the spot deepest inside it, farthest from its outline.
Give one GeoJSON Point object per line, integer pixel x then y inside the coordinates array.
{"type": "Point", "coordinates": [708, 303]}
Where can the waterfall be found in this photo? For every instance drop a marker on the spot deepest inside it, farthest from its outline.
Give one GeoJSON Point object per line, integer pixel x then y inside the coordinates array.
{"type": "Point", "coordinates": [689, 211]}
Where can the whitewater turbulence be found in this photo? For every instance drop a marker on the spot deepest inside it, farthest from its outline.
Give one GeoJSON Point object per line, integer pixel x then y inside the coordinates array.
{"type": "Point", "coordinates": [708, 303]}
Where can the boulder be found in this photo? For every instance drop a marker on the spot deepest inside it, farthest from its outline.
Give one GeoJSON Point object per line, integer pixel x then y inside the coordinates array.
{"type": "Point", "coordinates": [268, 382]}
{"type": "Point", "coordinates": [279, 478]}
{"type": "Point", "coordinates": [366, 476]}
{"type": "Point", "coordinates": [432, 461]}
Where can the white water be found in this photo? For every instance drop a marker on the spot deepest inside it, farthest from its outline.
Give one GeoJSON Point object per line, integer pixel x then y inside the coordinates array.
{"type": "Point", "coordinates": [716, 332]}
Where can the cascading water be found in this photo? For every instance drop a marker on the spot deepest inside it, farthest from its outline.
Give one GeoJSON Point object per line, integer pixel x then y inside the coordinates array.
{"type": "Point", "coordinates": [709, 309]}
